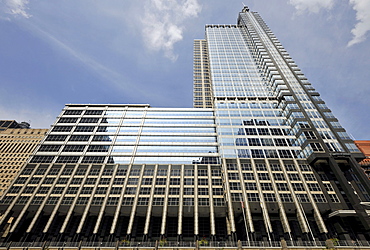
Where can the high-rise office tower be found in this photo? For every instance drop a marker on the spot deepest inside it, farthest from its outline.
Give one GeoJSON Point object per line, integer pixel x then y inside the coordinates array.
{"type": "Point", "coordinates": [260, 157]}
{"type": "Point", "coordinates": [269, 116]}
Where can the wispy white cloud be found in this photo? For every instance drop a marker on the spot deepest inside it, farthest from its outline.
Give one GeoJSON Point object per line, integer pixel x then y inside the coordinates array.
{"type": "Point", "coordinates": [311, 5]}
{"type": "Point", "coordinates": [163, 23]}
{"type": "Point", "coordinates": [109, 75]}
{"type": "Point", "coordinates": [15, 7]}
{"type": "Point", "coordinates": [362, 8]}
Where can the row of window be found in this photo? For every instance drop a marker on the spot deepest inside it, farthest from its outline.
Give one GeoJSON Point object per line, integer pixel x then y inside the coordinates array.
{"type": "Point", "coordinates": [117, 181]}
{"type": "Point", "coordinates": [273, 166]}
{"type": "Point", "coordinates": [133, 182]}
{"type": "Point", "coordinates": [259, 153]}
{"type": "Point", "coordinates": [245, 105]}
{"type": "Point", "coordinates": [277, 176]}
{"type": "Point", "coordinates": [270, 142]}
{"type": "Point", "coordinates": [112, 130]}
{"type": "Point", "coordinates": [117, 190]}
{"type": "Point", "coordinates": [70, 159]}
{"type": "Point", "coordinates": [280, 186]}
{"type": "Point", "coordinates": [122, 171]}
{"type": "Point", "coordinates": [270, 197]}
{"type": "Point", "coordinates": [135, 113]}
{"type": "Point", "coordinates": [129, 149]}
{"type": "Point", "coordinates": [162, 170]}
{"type": "Point", "coordinates": [127, 159]}
{"type": "Point", "coordinates": [172, 201]}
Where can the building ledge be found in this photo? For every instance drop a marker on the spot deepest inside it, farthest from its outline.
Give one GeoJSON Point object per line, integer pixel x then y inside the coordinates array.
{"type": "Point", "coordinates": [347, 213]}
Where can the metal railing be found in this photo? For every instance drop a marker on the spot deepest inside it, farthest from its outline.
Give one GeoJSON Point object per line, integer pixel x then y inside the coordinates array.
{"type": "Point", "coordinates": [353, 243]}
{"type": "Point", "coordinates": [306, 243]}
{"type": "Point", "coordinates": [261, 244]}
{"type": "Point", "coordinates": [185, 244]}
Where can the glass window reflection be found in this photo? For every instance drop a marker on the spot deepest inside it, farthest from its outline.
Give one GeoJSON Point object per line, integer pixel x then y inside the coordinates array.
{"type": "Point", "coordinates": [129, 130]}
{"type": "Point", "coordinates": [179, 121]}
{"type": "Point", "coordinates": [131, 121]}
{"type": "Point", "coordinates": [177, 139]}
{"type": "Point", "coordinates": [126, 138]}
{"type": "Point", "coordinates": [120, 159]}
{"type": "Point", "coordinates": [107, 129]}
{"type": "Point", "coordinates": [114, 113]}
{"type": "Point", "coordinates": [110, 121]}
{"type": "Point", "coordinates": [176, 149]}
{"type": "Point", "coordinates": [122, 149]}
{"type": "Point", "coordinates": [177, 130]}
{"type": "Point", "coordinates": [136, 114]}
{"type": "Point", "coordinates": [176, 160]}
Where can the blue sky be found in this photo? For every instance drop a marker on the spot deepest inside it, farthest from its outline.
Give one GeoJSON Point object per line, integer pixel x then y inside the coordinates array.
{"type": "Point", "coordinates": [124, 51]}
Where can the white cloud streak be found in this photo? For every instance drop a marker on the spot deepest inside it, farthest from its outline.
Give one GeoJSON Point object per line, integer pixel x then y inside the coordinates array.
{"type": "Point", "coordinates": [15, 7]}
{"type": "Point", "coordinates": [362, 8]}
{"type": "Point", "coordinates": [105, 73]}
{"type": "Point", "coordinates": [163, 23]}
{"type": "Point", "coordinates": [311, 5]}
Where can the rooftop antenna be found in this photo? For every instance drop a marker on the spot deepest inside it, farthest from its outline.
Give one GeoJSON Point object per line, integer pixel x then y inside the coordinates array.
{"type": "Point", "coordinates": [245, 7]}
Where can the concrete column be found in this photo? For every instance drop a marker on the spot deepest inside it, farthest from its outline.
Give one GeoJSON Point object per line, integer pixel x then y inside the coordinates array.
{"type": "Point", "coordinates": [41, 207]}
{"type": "Point", "coordinates": [165, 206]}
{"type": "Point", "coordinates": [283, 217]}
{"type": "Point", "coordinates": [317, 215]}
{"type": "Point", "coordinates": [133, 211]}
{"type": "Point", "coordinates": [70, 211]}
{"type": "Point", "coordinates": [228, 226]}
{"type": "Point", "coordinates": [196, 213]}
{"type": "Point", "coordinates": [87, 208]}
{"type": "Point", "coordinates": [149, 210]}
{"type": "Point", "coordinates": [102, 208]}
{"type": "Point", "coordinates": [228, 197]}
{"type": "Point", "coordinates": [211, 205]}
{"type": "Point", "coordinates": [55, 210]}
{"type": "Point", "coordinates": [265, 214]}
{"type": "Point", "coordinates": [247, 210]}
{"type": "Point", "coordinates": [118, 208]}
{"type": "Point", "coordinates": [301, 217]}
{"type": "Point", "coordinates": [181, 203]}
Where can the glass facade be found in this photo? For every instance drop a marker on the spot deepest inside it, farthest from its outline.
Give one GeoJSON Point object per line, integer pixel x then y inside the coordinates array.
{"type": "Point", "coordinates": [133, 135]}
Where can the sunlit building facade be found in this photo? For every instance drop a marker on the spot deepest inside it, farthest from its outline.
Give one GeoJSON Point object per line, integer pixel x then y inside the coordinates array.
{"type": "Point", "coordinates": [260, 157]}
{"type": "Point", "coordinates": [109, 172]}
{"type": "Point", "coordinates": [364, 146]}
{"type": "Point", "coordinates": [16, 146]}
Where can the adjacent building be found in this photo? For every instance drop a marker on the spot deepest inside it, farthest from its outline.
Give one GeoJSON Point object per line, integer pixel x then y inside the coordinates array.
{"type": "Point", "coordinates": [364, 146]}
{"type": "Point", "coordinates": [260, 157]}
{"type": "Point", "coordinates": [5, 124]}
{"type": "Point", "coordinates": [16, 146]}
